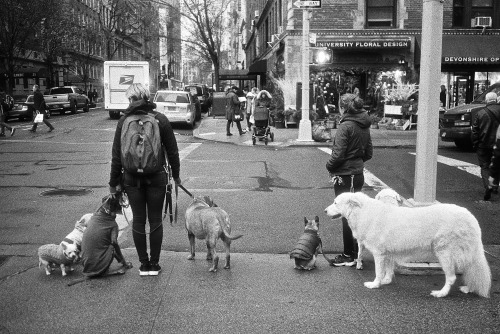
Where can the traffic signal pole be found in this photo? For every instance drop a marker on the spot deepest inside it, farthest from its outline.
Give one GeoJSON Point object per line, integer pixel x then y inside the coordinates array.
{"type": "Point", "coordinates": [428, 103]}
{"type": "Point", "coordinates": [305, 133]}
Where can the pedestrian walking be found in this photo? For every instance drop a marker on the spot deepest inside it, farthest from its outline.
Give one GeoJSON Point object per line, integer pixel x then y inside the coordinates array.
{"type": "Point", "coordinates": [144, 183]}
{"type": "Point", "coordinates": [249, 107]}
{"type": "Point", "coordinates": [352, 147]}
{"type": "Point", "coordinates": [484, 128]}
{"type": "Point", "coordinates": [40, 107]}
{"type": "Point", "coordinates": [233, 111]}
{"type": "Point", "coordinates": [4, 107]}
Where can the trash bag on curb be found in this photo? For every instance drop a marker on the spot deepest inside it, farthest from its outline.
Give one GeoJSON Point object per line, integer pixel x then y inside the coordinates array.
{"type": "Point", "coordinates": [320, 132]}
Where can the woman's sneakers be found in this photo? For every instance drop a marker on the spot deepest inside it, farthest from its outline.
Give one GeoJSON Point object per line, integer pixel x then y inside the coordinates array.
{"type": "Point", "coordinates": [144, 268]}
{"type": "Point", "coordinates": [149, 269]}
{"type": "Point", "coordinates": [343, 260]}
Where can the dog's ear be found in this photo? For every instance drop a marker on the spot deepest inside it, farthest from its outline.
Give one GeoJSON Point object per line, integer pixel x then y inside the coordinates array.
{"type": "Point", "coordinates": [355, 200]}
{"type": "Point", "coordinates": [316, 219]}
{"type": "Point", "coordinates": [305, 221]}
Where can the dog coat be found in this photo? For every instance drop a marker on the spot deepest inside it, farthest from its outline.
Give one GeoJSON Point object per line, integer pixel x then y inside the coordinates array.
{"type": "Point", "coordinates": [97, 250]}
{"type": "Point", "coordinates": [306, 245]}
{"type": "Point", "coordinates": [53, 253]}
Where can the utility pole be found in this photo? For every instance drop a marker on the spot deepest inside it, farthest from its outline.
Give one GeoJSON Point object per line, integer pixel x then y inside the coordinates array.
{"type": "Point", "coordinates": [428, 102]}
{"type": "Point", "coordinates": [305, 133]}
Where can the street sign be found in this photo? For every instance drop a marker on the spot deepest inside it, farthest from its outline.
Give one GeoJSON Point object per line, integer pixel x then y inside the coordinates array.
{"type": "Point", "coordinates": [308, 4]}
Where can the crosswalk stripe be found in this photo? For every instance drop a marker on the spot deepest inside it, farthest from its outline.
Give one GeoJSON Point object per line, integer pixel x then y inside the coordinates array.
{"type": "Point", "coordinates": [370, 179]}
{"type": "Point", "coordinates": [462, 165]}
{"type": "Point", "coordinates": [188, 149]}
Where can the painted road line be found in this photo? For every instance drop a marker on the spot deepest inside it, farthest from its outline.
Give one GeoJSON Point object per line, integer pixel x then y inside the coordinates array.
{"type": "Point", "coordinates": [462, 165]}
{"type": "Point", "coordinates": [370, 179]}
{"type": "Point", "coordinates": [187, 150]}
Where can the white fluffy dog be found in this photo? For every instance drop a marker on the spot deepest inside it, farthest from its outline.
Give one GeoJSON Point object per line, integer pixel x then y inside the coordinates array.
{"type": "Point", "coordinates": [394, 233]}
{"type": "Point", "coordinates": [72, 243]}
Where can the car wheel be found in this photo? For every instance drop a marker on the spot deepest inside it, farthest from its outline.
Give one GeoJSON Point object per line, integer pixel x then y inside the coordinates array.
{"type": "Point", "coordinates": [74, 107]}
{"type": "Point", "coordinates": [86, 107]}
{"type": "Point", "coordinates": [463, 144]}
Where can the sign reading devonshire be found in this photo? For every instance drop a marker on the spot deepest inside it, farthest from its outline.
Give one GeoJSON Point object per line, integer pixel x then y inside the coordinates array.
{"type": "Point", "coordinates": [365, 44]}
{"type": "Point", "coordinates": [473, 60]}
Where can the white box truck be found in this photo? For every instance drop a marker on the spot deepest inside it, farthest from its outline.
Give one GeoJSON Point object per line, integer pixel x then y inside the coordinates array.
{"type": "Point", "coordinates": [118, 76]}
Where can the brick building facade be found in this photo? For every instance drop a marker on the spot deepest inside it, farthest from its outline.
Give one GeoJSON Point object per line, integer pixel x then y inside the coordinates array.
{"type": "Point", "coordinates": [373, 43]}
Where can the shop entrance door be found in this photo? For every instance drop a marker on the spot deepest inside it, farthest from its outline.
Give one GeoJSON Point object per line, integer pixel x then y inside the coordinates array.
{"type": "Point", "coordinates": [463, 90]}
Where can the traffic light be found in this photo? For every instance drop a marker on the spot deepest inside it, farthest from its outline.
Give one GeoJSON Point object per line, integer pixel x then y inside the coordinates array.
{"type": "Point", "coordinates": [320, 55]}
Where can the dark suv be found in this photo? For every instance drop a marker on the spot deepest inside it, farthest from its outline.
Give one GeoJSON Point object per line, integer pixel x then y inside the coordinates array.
{"type": "Point", "coordinates": [457, 122]}
{"type": "Point", "coordinates": [201, 91]}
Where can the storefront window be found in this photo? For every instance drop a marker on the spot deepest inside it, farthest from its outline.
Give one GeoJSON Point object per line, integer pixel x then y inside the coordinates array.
{"type": "Point", "coordinates": [463, 88]}
{"type": "Point", "coordinates": [380, 13]}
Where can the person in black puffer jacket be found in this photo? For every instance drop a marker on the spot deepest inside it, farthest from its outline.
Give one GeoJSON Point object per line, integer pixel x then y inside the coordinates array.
{"type": "Point", "coordinates": [352, 146]}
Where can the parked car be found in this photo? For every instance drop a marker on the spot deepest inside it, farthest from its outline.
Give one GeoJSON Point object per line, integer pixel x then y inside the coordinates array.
{"type": "Point", "coordinates": [456, 122]}
{"type": "Point", "coordinates": [201, 91]}
{"type": "Point", "coordinates": [23, 109]}
{"type": "Point", "coordinates": [67, 98]}
{"type": "Point", "coordinates": [178, 106]}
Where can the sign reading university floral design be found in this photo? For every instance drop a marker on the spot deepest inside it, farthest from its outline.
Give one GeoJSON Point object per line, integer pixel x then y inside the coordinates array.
{"type": "Point", "coordinates": [366, 44]}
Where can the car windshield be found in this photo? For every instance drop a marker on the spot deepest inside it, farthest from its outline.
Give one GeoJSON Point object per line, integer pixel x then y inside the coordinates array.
{"type": "Point", "coordinates": [61, 90]}
{"type": "Point", "coordinates": [30, 98]}
{"type": "Point", "coordinates": [194, 90]}
{"type": "Point", "coordinates": [171, 97]}
{"type": "Point", "coordinates": [493, 88]}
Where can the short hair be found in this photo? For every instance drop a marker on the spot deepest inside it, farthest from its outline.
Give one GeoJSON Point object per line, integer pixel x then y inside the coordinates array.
{"type": "Point", "coordinates": [137, 92]}
{"type": "Point", "coordinates": [346, 101]}
{"type": "Point", "coordinates": [255, 90]}
{"type": "Point", "coordinates": [491, 97]}
{"type": "Point", "coordinates": [36, 87]}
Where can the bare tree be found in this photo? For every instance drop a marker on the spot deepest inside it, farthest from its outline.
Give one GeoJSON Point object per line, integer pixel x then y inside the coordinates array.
{"type": "Point", "coordinates": [19, 21]}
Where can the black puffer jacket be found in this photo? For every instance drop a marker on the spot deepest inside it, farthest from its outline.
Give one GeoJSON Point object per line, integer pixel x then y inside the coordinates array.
{"type": "Point", "coordinates": [352, 145]}
{"type": "Point", "coordinates": [167, 138]}
{"type": "Point", "coordinates": [484, 126]}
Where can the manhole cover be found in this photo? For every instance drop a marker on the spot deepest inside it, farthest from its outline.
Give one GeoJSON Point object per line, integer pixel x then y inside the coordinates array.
{"type": "Point", "coordinates": [66, 192]}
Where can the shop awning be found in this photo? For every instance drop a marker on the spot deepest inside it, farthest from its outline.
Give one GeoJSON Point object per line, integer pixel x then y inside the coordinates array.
{"type": "Point", "coordinates": [236, 75]}
{"type": "Point", "coordinates": [259, 67]}
{"type": "Point", "coordinates": [468, 49]}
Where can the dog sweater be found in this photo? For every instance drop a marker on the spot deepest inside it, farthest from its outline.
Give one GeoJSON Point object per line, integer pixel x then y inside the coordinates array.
{"type": "Point", "coordinates": [97, 250]}
{"type": "Point", "coordinates": [306, 245]}
{"type": "Point", "coordinates": [54, 254]}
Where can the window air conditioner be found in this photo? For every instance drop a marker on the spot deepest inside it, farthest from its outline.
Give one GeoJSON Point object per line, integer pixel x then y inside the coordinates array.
{"type": "Point", "coordinates": [280, 29]}
{"type": "Point", "coordinates": [482, 21]}
{"type": "Point", "coordinates": [256, 14]}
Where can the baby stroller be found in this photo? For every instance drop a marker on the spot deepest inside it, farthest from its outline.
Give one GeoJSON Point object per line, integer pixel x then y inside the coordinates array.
{"type": "Point", "coordinates": [261, 127]}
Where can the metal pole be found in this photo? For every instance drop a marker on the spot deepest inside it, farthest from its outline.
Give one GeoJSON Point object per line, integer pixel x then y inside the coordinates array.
{"type": "Point", "coordinates": [305, 133]}
{"type": "Point", "coordinates": [428, 102]}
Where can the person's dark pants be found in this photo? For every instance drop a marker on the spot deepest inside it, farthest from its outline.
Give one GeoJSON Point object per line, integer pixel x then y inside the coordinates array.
{"type": "Point", "coordinates": [349, 183]}
{"type": "Point", "coordinates": [45, 121]}
{"type": "Point", "coordinates": [4, 125]}
{"type": "Point", "coordinates": [146, 196]}
{"type": "Point", "coordinates": [484, 156]}
{"type": "Point", "coordinates": [238, 125]}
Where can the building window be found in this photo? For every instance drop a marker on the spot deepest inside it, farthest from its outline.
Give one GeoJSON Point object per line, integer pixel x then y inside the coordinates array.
{"type": "Point", "coordinates": [380, 13]}
{"type": "Point", "coordinates": [465, 11]}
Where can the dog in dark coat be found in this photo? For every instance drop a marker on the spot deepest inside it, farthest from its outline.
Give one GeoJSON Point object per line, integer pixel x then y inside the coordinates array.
{"type": "Point", "coordinates": [100, 241]}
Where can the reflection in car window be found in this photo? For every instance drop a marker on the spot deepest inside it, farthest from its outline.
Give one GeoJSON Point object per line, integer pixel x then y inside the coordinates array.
{"type": "Point", "coordinates": [61, 91]}
{"type": "Point", "coordinates": [493, 88]}
{"type": "Point", "coordinates": [171, 97]}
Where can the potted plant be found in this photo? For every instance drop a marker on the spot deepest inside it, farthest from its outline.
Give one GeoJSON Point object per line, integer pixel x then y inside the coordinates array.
{"type": "Point", "coordinates": [278, 116]}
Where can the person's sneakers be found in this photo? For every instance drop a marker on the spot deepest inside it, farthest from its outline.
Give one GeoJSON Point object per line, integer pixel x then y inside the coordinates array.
{"type": "Point", "coordinates": [144, 269]}
{"type": "Point", "coordinates": [229, 134]}
{"type": "Point", "coordinates": [487, 194]}
{"type": "Point", "coordinates": [32, 130]}
{"type": "Point", "coordinates": [12, 131]}
{"type": "Point", "coordinates": [154, 269]}
{"type": "Point", "coordinates": [343, 260]}
{"type": "Point", "coordinates": [51, 129]}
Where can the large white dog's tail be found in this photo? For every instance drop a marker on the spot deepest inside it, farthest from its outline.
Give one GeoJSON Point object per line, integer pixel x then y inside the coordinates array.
{"type": "Point", "coordinates": [477, 274]}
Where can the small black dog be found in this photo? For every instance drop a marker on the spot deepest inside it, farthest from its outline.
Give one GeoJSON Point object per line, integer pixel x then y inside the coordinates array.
{"type": "Point", "coordinates": [100, 240]}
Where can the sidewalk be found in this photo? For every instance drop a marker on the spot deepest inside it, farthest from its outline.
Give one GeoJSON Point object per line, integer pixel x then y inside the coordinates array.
{"type": "Point", "coordinates": [261, 293]}
{"type": "Point", "coordinates": [214, 129]}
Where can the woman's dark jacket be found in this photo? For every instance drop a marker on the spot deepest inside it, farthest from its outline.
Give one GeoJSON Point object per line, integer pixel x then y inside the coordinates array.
{"type": "Point", "coordinates": [167, 138]}
{"type": "Point", "coordinates": [38, 101]}
{"type": "Point", "coordinates": [352, 145]}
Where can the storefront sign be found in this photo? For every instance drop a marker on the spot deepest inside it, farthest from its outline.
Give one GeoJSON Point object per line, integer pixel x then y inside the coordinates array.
{"type": "Point", "coordinates": [365, 44]}
{"type": "Point", "coordinates": [473, 60]}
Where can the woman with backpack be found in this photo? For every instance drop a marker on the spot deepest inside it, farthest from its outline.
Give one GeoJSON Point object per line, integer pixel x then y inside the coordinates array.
{"type": "Point", "coordinates": [144, 178]}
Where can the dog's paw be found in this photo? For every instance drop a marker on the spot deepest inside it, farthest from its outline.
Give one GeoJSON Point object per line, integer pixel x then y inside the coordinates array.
{"type": "Point", "coordinates": [386, 280]}
{"type": "Point", "coordinates": [372, 285]}
{"type": "Point", "coordinates": [227, 267]}
{"type": "Point", "coordinates": [359, 265]}
{"type": "Point", "coordinates": [48, 272]}
{"type": "Point", "coordinates": [212, 270]}
{"type": "Point", "coordinates": [464, 289]}
{"type": "Point", "coordinates": [128, 265]}
{"type": "Point", "coordinates": [191, 257]}
{"type": "Point", "coordinates": [438, 294]}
